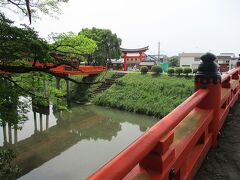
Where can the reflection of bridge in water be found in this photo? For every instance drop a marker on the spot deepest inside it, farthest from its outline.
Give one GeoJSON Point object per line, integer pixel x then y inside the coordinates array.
{"type": "Point", "coordinates": [49, 141]}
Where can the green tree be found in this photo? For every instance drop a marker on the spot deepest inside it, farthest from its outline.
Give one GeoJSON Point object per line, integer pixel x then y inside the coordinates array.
{"type": "Point", "coordinates": [173, 61]}
{"type": "Point", "coordinates": [144, 69]}
{"type": "Point", "coordinates": [108, 44]}
{"type": "Point", "coordinates": [187, 71]}
{"type": "Point", "coordinates": [170, 71]}
{"type": "Point", "coordinates": [179, 71]}
{"type": "Point", "coordinates": [73, 45]}
{"type": "Point", "coordinates": [20, 43]}
{"type": "Point", "coordinates": [157, 70]}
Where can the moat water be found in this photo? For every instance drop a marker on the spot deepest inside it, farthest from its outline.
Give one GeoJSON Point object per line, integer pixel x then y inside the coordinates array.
{"type": "Point", "coordinates": [71, 144]}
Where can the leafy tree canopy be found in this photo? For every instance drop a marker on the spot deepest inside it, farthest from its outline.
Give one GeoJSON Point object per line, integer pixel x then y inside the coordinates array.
{"type": "Point", "coordinates": [173, 61]}
{"type": "Point", "coordinates": [32, 8]}
{"type": "Point", "coordinates": [73, 45]}
{"type": "Point", "coordinates": [20, 43]}
{"type": "Point", "coordinates": [108, 44]}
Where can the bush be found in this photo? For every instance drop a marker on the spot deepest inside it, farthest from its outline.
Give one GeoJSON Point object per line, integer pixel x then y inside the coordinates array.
{"type": "Point", "coordinates": [144, 69]}
{"type": "Point", "coordinates": [7, 169]}
{"type": "Point", "coordinates": [157, 70]}
{"type": "Point", "coordinates": [195, 71]}
{"type": "Point", "coordinates": [179, 71]}
{"type": "Point", "coordinates": [155, 96]}
{"type": "Point", "coordinates": [170, 71]}
{"type": "Point", "coordinates": [186, 71]}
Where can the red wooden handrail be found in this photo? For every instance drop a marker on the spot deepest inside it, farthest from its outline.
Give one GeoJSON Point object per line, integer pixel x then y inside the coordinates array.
{"type": "Point", "coordinates": [118, 167]}
{"type": "Point", "coordinates": [229, 73]}
{"type": "Point", "coordinates": [158, 153]}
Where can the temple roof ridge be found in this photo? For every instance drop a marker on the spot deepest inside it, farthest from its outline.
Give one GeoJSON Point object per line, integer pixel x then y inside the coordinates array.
{"type": "Point", "coordinates": [134, 50]}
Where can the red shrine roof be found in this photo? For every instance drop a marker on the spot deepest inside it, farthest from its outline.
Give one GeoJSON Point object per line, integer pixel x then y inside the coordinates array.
{"type": "Point", "coordinates": [134, 50]}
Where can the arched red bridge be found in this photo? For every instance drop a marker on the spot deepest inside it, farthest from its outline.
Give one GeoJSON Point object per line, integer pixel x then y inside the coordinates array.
{"type": "Point", "coordinates": [175, 147]}
{"type": "Point", "coordinates": [68, 70]}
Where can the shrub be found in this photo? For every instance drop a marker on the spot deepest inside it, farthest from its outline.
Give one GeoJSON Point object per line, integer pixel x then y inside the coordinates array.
{"type": "Point", "coordinates": [186, 71]}
{"type": "Point", "coordinates": [157, 70]}
{"type": "Point", "coordinates": [170, 71]}
{"type": "Point", "coordinates": [155, 96]}
{"type": "Point", "coordinates": [195, 71]}
{"type": "Point", "coordinates": [144, 69]}
{"type": "Point", "coordinates": [179, 71]}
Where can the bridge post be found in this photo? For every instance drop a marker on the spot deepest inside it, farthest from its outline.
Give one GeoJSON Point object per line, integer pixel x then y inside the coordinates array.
{"type": "Point", "coordinates": [4, 134]}
{"type": "Point", "coordinates": [47, 122]}
{"type": "Point", "coordinates": [10, 133]}
{"type": "Point", "coordinates": [68, 90]}
{"type": "Point", "coordinates": [58, 82]}
{"type": "Point", "coordinates": [208, 77]}
{"type": "Point", "coordinates": [15, 134]}
{"type": "Point", "coordinates": [41, 122]}
{"type": "Point", "coordinates": [35, 121]}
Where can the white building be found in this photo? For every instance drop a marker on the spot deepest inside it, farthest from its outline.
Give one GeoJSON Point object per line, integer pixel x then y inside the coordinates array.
{"type": "Point", "coordinates": [191, 60]}
{"type": "Point", "coordinates": [226, 61]}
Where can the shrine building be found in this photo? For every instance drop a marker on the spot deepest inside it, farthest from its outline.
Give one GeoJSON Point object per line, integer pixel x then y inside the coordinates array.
{"type": "Point", "coordinates": [133, 57]}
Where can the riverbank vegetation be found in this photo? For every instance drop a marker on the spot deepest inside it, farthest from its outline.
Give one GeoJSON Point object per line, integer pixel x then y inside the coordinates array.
{"type": "Point", "coordinates": [146, 94]}
{"type": "Point", "coordinates": [84, 92]}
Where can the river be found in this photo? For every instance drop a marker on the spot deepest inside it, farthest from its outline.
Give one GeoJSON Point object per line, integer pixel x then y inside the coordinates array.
{"type": "Point", "coordinates": [71, 144]}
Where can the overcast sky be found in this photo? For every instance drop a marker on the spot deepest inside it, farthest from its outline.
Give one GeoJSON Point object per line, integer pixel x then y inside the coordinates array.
{"type": "Point", "coordinates": [179, 25]}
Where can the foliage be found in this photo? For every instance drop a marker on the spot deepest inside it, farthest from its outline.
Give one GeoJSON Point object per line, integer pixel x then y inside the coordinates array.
{"type": "Point", "coordinates": [146, 94]}
{"type": "Point", "coordinates": [108, 45]}
{"type": "Point", "coordinates": [173, 61]}
{"type": "Point", "coordinates": [157, 70]}
{"type": "Point", "coordinates": [144, 69]}
{"type": "Point", "coordinates": [12, 109]}
{"type": "Point", "coordinates": [7, 170]}
{"type": "Point", "coordinates": [84, 93]}
{"type": "Point", "coordinates": [195, 71]}
{"type": "Point", "coordinates": [73, 45]}
{"type": "Point", "coordinates": [32, 8]}
{"type": "Point", "coordinates": [171, 71]}
{"type": "Point", "coordinates": [44, 88]}
{"type": "Point", "coordinates": [179, 71]}
{"type": "Point", "coordinates": [17, 43]}
{"type": "Point", "coordinates": [187, 71]}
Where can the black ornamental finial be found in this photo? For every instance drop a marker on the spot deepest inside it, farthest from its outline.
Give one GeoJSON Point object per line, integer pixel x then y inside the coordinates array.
{"type": "Point", "coordinates": [208, 69]}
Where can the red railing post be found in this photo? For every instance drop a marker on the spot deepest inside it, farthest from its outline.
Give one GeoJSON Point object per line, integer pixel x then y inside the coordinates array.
{"type": "Point", "coordinates": [208, 77]}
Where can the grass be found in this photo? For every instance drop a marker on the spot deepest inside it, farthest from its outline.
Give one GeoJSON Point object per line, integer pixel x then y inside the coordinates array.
{"type": "Point", "coordinates": [147, 94]}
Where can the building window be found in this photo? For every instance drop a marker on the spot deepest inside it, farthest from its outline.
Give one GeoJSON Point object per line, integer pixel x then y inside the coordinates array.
{"type": "Point", "coordinates": [197, 59]}
{"type": "Point", "coordinates": [185, 65]}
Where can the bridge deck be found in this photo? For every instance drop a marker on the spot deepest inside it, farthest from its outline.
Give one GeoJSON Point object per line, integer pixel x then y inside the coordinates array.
{"type": "Point", "coordinates": [224, 162]}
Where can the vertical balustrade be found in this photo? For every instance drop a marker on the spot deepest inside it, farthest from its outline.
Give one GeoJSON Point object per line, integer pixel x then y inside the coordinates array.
{"type": "Point", "coordinates": [161, 156]}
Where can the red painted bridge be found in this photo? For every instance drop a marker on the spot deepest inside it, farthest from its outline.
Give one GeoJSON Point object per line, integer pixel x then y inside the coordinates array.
{"type": "Point", "coordinates": [175, 147]}
{"type": "Point", "coordinates": [68, 70]}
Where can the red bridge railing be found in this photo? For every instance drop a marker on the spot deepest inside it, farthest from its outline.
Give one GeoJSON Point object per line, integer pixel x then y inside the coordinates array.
{"type": "Point", "coordinates": [175, 147]}
{"type": "Point", "coordinates": [68, 70]}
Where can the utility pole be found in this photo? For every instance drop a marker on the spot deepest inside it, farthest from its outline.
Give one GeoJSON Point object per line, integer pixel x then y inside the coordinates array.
{"type": "Point", "coordinates": [158, 51]}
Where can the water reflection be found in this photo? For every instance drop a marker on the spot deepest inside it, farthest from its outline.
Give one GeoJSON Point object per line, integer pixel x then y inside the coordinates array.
{"type": "Point", "coordinates": [84, 138]}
